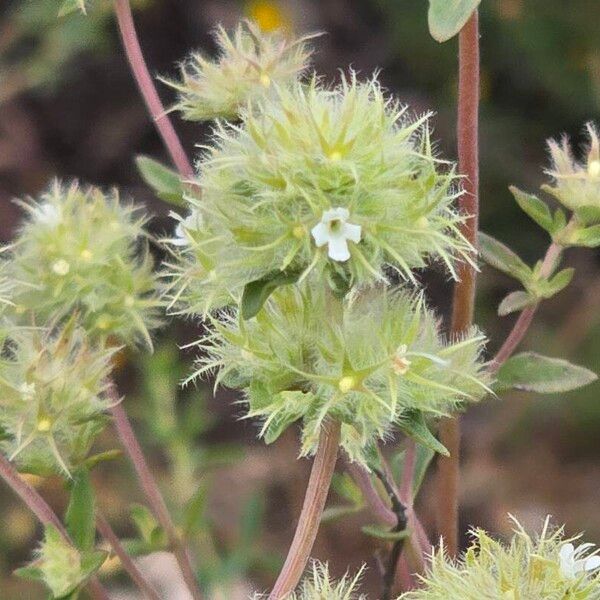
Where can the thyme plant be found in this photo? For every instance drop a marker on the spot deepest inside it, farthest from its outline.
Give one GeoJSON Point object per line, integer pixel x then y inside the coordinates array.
{"type": "Point", "coordinates": [298, 242]}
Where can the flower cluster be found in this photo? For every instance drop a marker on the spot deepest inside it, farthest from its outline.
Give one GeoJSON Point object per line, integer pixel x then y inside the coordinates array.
{"type": "Point", "coordinates": [52, 400]}
{"type": "Point", "coordinates": [374, 360]}
{"type": "Point", "coordinates": [337, 182]}
{"type": "Point", "coordinates": [576, 185]}
{"type": "Point", "coordinates": [251, 64]}
{"type": "Point", "coordinates": [544, 567]}
{"type": "Point", "coordinates": [82, 252]}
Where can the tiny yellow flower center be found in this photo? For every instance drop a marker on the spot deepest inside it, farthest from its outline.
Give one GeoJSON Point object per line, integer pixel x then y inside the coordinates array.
{"type": "Point", "coordinates": [61, 267]}
{"type": "Point", "coordinates": [335, 225]}
{"type": "Point", "coordinates": [44, 425]}
{"type": "Point", "coordinates": [422, 222]}
{"type": "Point", "coordinates": [347, 384]}
{"type": "Point", "coordinates": [594, 168]}
{"type": "Point", "coordinates": [20, 309]}
{"type": "Point", "coordinates": [265, 80]}
{"type": "Point", "coordinates": [335, 156]}
{"type": "Point", "coordinates": [299, 231]}
{"type": "Point", "coordinates": [103, 322]}
{"type": "Point", "coordinates": [86, 255]}
{"type": "Point", "coordinates": [129, 301]}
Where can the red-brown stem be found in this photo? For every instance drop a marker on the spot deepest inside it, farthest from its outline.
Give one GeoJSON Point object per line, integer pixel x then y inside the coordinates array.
{"type": "Point", "coordinates": [312, 510]}
{"type": "Point", "coordinates": [526, 317]}
{"type": "Point", "coordinates": [126, 561]}
{"type": "Point", "coordinates": [143, 78]}
{"type": "Point", "coordinates": [464, 290]}
{"type": "Point", "coordinates": [153, 495]}
{"type": "Point", "coordinates": [45, 515]}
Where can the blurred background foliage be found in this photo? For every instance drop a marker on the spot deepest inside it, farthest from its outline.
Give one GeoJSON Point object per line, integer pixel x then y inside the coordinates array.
{"type": "Point", "coordinates": [68, 107]}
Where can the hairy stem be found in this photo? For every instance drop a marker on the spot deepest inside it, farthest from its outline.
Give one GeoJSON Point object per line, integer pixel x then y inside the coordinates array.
{"type": "Point", "coordinates": [45, 515]}
{"type": "Point", "coordinates": [146, 86]}
{"type": "Point", "coordinates": [126, 561]}
{"type": "Point", "coordinates": [464, 290]}
{"type": "Point", "coordinates": [524, 320]}
{"type": "Point", "coordinates": [312, 510]}
{"type": "Point", "coordinates": [153, 496]}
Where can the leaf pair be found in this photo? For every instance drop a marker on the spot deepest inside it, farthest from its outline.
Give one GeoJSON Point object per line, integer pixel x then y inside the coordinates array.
{"type": "Point", "coordinates": [448, 17]}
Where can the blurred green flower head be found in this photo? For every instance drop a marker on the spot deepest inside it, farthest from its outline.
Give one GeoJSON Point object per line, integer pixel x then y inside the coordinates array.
{"type": "Point", "coordinates": [338, 182]}
{"type": "Point", "coordinates": [52, 400]}
{"type": "Point", "coordinates": [81, 252]}
{"type": "Point", "coordinates": [541, 567]}
{"type": "Point", "coordinates": [251, 64]}
{"type": "Point", "coordinates": [373, 361]}
{"type": "Point", "coordinates": [576, 185]}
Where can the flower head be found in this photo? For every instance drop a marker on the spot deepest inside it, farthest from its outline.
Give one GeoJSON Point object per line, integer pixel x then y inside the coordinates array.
{"type": "Point", "coordinates": [327, 182]}
{"type": "Point", "coordinates": [576, 184]}
{"type": "Point", "coordinates": [372, 361]}
{"type": "Point", "coordinates": [251, 64]}
{"type": "Point", "coordinates": [540, 567]}
{"type": "Point", "coordinates": [81, 252]}
{"type": "Point", "coordinates": [52, 401]}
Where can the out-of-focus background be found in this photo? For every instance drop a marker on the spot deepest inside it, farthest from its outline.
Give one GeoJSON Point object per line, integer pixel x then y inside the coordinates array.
{"type": "Point", "coordinates": [69, 108]}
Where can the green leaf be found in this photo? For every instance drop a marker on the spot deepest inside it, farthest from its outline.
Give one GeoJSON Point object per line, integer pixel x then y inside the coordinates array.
{"type": "Point", "coordinates": [385, 534]}
{"type": "Point", "coordinates": [293, 405]}
{"type": "Point", "coordinates": [448, 17]}
{"type": "Point", "coordinates": [91, 562]}
{"type": "Point", "coordinates": [147, 526]}
{"type": "Point", "coordinates": [80, 518]}
{"type": "Point", "coordinates": [535, 373]}
{"type": "Point", "coordinates": [194, 519]}
{"type": "Point", "coordinates": [91, 461]}
{"type": "Point", "coordinates": [499, 256]}
{"type": "Point", "coordinates": [413, 425]}
{"type": "Point", "coordinates": [257, 292]}
{"type": "Point", "coordinates": [588, 214]}
{"type": "Point", "coordinates": [588, 237]}
{"type": "Point", "coordinates": [164, 181]}
{"type": "Point", "coordinates": [534, 208]}
{"type": "Point", "coordinates": [515, 301]}
{"type": "Point", "coordinates": [559, 282]}
{"type": "Point", "coordinates": [30, 572]}
{"type": "Point", "coordinates": [333, 513]}
{"type": "Point", "coordinates": [423, 458]}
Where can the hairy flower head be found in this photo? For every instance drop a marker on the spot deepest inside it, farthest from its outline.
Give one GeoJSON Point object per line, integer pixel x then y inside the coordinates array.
{"type": "Point", "coordinates": [331, 181]}
{"type": "Point", "coordinates": [52, 400]}
{"type": "Point", "coordinates": [81, 252]}
{"type": "Point", "coordinates": [250, 65]}
{"type": "Point", "coordinates": [576, 184]}
{"type": "Point", "coordinates": [372, 361]}
{"type": "Point", "coordinates": [541, 567]}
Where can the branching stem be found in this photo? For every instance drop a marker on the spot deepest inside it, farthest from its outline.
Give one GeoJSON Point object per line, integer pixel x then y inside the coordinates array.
{"type": "Point", "coordinates": [312, 510]}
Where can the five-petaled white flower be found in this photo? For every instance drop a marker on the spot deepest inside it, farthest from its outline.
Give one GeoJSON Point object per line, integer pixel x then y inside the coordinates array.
{"type": "Point", "coordinates": [574, 560]}
{"type": "Point", "coordinates": [193, 222]}
{"type": "Point", "coordinates": [335, 231]}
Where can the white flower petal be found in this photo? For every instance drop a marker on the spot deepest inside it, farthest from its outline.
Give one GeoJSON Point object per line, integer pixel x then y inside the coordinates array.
{"type": "Point", "coordinates": [338, 248]}
{"type": "Point", "coordinates": [320, 233]}
{"type": "Point", "coordinates": [352, 232]}
{"type": "Point", "coordinates": [566, 551]}
{"type": "Point", "coordinates": [340, 213]}
{"type": "Point", "coordinates": [592, 563]}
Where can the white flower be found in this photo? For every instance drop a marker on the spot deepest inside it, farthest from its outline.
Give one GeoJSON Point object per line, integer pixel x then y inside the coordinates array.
{"type": "Point", "coordinates": [193, 222]}
{"type": "Point", "coordinates": [47, 213]}
{"type": "Point", "coordinates": [335, 231]}
{"type": "Point", "coordinates": [61, 267]}
{"type": "Point", "coordinates": [573, 560]}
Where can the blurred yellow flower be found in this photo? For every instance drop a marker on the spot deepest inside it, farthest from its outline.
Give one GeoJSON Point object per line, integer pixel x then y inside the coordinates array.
{"type": "Point", "coordinates": [268, 15]}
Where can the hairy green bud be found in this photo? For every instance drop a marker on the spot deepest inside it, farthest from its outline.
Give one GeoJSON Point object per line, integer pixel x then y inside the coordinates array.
{"type": "Point", "coordinates": [81, 252]}
{"type": "Point", "coordinates": [52, 400]}
{"type": "Point", "coordinates": [372, 361]}
{"type": "Point", "coordinates": [250, 65]}
{"type": "Point", "coordinates": [335, 182]}
{"type": "Point", "coordinates": [542, 567]}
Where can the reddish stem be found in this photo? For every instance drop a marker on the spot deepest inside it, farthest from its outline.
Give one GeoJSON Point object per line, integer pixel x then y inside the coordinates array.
{"type": "Point", "coordinates": [464, 290]}
{"type": "Point", "coordinates": [45, 515]}
{"type": "Point", "coordinates": [143, 78]}
{"type": "Point", "coordinates": [153, 495]}
{"type": "Point", "coordinates": [312, 510]}
{"type": "Point", "coordinates": [126, 561]}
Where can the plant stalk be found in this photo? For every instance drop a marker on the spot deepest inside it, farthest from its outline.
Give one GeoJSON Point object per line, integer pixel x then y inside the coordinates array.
{"type": "Point", "coordinates": [312, 510]}
{"type": "Point", "coordinates": [127, 562]}
{"type": "Point", "coordinates": [154, 496]}
{"type": "Point", "coordinates": [464, 290]}
{"type": "Point", "coordinates": [45, 515]}
{"type": "Point", "coordinates": [145, 84]}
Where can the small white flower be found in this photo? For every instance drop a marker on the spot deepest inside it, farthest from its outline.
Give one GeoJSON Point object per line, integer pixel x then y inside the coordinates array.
{"type": "Point", "coordinates": [574, 562]}
{"type": "Point", "coordinates": [61, 267]}
{"type": "Point", "coordinates": [47, 213]}
{"type": "Point", "coordinates": [193, 222]}
{"type": "Point", "coordinates": [335, 231]}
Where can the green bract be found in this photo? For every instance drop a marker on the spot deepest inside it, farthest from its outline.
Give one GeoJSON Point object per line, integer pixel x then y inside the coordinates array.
{"type": "Point", "coordinates": [576, 185]}
{"type": "Point", "coordinates": [81, 252]}
{"type": "Point", "coordinates": [338, 182]}
{"type": "Point", "coordinates": [372, 361]}
{"type": "Point", "coordinates": [541, 567]}
{"type": "Point", "coordinates": [52, 400]}
{"type": "Point", "coordinates": [251, 64]}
